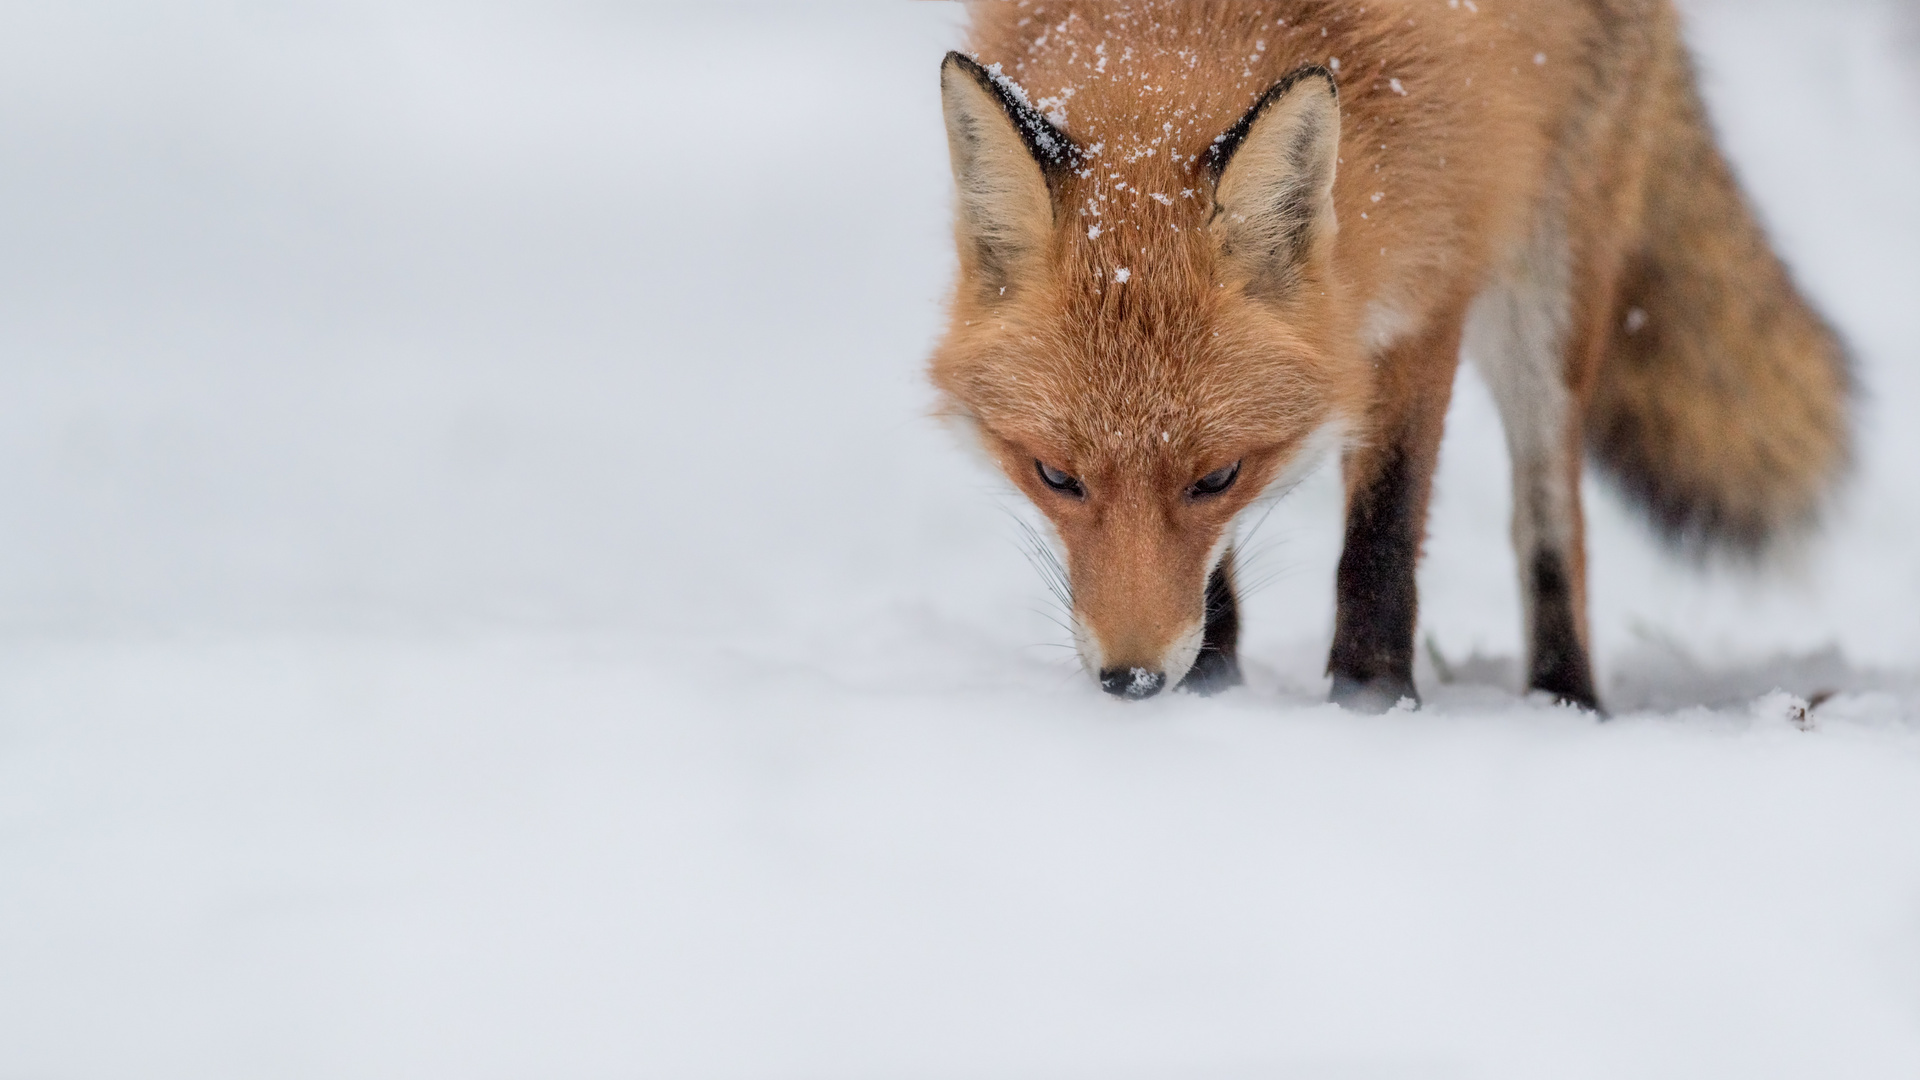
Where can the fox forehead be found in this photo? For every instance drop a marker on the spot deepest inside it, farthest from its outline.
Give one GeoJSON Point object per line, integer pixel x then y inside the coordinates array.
{"type": "Point", "coordinates": [1115, 377]}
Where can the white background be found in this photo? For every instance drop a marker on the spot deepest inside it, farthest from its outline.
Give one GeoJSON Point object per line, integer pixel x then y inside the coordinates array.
{"type": "Point", "coordinates": [481, 596]}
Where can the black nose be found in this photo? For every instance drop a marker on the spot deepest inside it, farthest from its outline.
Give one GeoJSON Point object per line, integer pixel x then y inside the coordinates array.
{"type": "Point", "coordinates": [1134, 684]}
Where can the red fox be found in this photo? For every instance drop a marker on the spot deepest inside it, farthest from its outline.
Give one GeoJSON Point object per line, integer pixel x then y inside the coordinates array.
{"type": "Point", "coordinates": [1203, 244]}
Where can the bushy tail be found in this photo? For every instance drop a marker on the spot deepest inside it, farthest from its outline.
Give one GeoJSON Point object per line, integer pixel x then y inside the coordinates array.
{"type": "Point", "coordinates": [1723, 406]}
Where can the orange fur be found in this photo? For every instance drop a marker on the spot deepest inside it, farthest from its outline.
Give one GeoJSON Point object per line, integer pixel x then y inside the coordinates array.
{"type": "Point", "coordinates": [1118, 321]}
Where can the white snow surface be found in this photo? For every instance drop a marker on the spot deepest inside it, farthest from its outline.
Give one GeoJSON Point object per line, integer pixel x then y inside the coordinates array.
{"type": "Point", "coordinates": [482, 596]}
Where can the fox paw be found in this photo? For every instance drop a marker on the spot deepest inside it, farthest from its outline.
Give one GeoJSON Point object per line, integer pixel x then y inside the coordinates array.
{"type": "Point", "coordinates": [1374, 696]}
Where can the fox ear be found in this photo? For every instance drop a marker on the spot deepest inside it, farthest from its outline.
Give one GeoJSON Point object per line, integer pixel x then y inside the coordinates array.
{"type": "Point", "coordinates": [1006, 157]}
{"type": "Point", "coordinates": [1273, 180]}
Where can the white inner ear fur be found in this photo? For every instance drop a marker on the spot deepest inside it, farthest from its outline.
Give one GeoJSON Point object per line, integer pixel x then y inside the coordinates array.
{"type": "Point", "coordinates": [1275, 196]}
{"type": "Point", "coordinates": [1005, 212]}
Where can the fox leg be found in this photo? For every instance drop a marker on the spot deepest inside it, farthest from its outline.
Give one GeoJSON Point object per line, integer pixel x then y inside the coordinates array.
{"type": "Point", "coordinates": [1217, 667]}
{"type": "Point", "coordinates": [1521, 334]}
{"type": "Point", "coordinates": [1553, 586]}
{"type": "Point", "coordinates": [1389, 482]}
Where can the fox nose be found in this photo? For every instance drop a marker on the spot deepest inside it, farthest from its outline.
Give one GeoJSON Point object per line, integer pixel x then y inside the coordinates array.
{"type": "Point", "coordinates": [1132, 684]}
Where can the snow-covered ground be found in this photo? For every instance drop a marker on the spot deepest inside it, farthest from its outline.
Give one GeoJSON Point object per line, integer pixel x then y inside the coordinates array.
{"type": "Point", "coordinates": [480, 597]}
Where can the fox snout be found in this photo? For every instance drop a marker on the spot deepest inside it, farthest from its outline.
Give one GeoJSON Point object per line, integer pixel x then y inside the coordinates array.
{"type": "Point", "coordinates": [1142, 666]}
{"type": "Point", "coordinates": [1135, 655]}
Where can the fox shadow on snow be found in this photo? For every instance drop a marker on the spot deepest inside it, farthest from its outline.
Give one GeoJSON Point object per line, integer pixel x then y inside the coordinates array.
{"type": "Point", "coordinates": [1660, 675]}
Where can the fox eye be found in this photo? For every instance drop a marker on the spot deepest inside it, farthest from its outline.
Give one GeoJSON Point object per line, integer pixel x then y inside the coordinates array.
{"type": "Point", "coordinates": [1059, 481]}
{"type": "Point", "coordinates": [1214, 482]}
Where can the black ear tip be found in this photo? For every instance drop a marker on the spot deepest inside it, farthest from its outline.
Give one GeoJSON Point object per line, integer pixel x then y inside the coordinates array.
{"type": "Point", "coordinates": [1223, 147]}
{"type": "Point", "coordinates": [1050, 146]}
{"type": "Point", "coordinates": [957, 59]}
{"type": "Point", "coordinates": [1295, 78]}
{"type": "Point", "coordinates": [959, 63]}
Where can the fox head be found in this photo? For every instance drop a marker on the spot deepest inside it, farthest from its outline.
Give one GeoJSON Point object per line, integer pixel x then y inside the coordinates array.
{"type": "Point", "coordinates": [1147, 336]}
